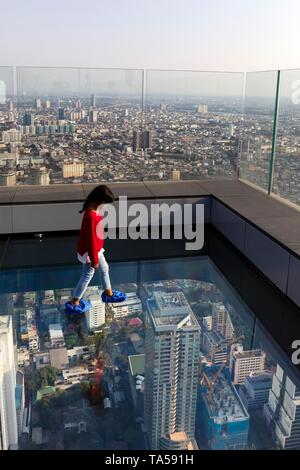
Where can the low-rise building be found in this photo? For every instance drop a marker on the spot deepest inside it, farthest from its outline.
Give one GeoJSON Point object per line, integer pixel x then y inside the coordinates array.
{"type": "Point", "coordinates": [131, 306]}
{"type": "Point", "coordinates": [56, 335]}
{"type": "Point", "coordinates": [256, 389]}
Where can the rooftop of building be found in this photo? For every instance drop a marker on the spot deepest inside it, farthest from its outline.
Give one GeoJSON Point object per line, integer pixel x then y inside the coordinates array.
{"type": "Point", "coordinates": [249, 354]}
{"type": "Point", "coordinates": [55, 330]}
{"type": "Point", "coordinates": [260, 380]}
{"type": "Point", "coordinates": [224, 403]}
{"type": "Point", "coordinates": [171, 311]}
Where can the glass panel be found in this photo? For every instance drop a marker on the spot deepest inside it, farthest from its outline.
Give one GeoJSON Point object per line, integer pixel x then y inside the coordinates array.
{"type": "Point", "coordinates": [259, 105]}
{"type": "Point", "coordinates": [286, 179]}
{"type": "Point", "coordinates": [77, 124]}
{"type": "Point", "coordinates": [194, 123]}
{"type": "Point", "coordinates": [9, 135]}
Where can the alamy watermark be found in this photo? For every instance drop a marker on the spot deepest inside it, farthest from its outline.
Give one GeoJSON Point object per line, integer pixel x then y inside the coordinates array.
{"type": "Point", "coordinates": [296, 354]}
{"type": "Point", "coordinates": [144, 220]}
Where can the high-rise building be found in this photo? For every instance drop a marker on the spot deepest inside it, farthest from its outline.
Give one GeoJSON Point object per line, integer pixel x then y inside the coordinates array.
{"type": "Point", "coordinates": [38, 103]}
{"type": "Point", "coordinates": [171, 375]}
{"type": "Point", "coordinates": [221, 321]}
{"type": "Point", "coordinates": [175, 175]}
{"type": "Point", "coordinates": [256, 389]}
{"type": "Point", "coordinates": [93, 100]}
{"type": "Point", "coordinates": [72, 168]}
{"type": "Point", "coordinates": [8, 414]}
{"type": "Point", "coordinates": [243, 363]}
{"type": "Point", "coordinates": [10, 105]}
{"type": "Point", "coordinates": [231, 130]}
{"type": "Point", "coordinates": [93, 116]}
{"type": "Point", "coordinates": [282, 411]}
{"type": "Point", "coordinates": [202, 108]}
{"type": "Point", "coordinates": [8, 176]}
{"type": "Point", "coordinates": [20, 400]}
{"type": "Point", "coordinates": [39, 175]}
{"type": "Point", "coordinates": [95, 317]}
{"type": "Point", "coordinates": [12, 136]}
{"type": "Point", "coordinates": [222, 421]}
{"type": "Point", "coordinates": [61, 114]}
{"type": "Point", "coordinates": [47, 104]}
{"type": "Point", "coordinates": [28, 119]}
{"type": "Point", "coordinates": [141, 140]}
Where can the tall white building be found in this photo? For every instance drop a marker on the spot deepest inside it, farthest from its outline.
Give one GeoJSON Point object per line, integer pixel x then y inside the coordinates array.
{"type": "Point", "coordinates": [221, 321]}
{"type": "Point", "coordinates": [95, 317]}
{"type": "Point", "coordinates": [282, 411]}
{"type": "Point", "coordinates": [171, 371]}
{"type": "Point", "coordinates": [8, 414]}
{"type": "Point", "coordinates": [243, 363]}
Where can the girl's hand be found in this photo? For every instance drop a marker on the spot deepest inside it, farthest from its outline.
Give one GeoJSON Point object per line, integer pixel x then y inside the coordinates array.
{"type": "Point", "coordinates": [95, 266]}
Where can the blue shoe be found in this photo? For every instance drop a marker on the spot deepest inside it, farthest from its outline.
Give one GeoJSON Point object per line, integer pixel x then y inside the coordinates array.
{"type": "Point", "coordinates": [84, 306]}
{"type": "Point", "coordinates": [117, 296]}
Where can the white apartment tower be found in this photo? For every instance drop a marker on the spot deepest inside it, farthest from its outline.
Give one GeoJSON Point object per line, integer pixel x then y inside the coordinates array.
{"type": "Point", "coordinates": [221, 321]}
{"type": "Point", "coordinates": [172, 346]}
{"type": "Point", "coordinates": [243, 363]}
{"type": "Point", "coordinates": [282, 411]}
{"type": "Point", "coordinates": [8, 414]}
{"type": "Point", "coordinates": [95, 317]}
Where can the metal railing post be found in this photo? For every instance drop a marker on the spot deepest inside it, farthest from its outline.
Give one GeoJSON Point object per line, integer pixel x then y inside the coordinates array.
{"type": "Point", "coordinates": [274, 135]}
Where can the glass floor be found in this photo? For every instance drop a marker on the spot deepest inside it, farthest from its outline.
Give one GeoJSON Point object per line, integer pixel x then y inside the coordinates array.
{"type": "Point", "coordinates": [81, 383]}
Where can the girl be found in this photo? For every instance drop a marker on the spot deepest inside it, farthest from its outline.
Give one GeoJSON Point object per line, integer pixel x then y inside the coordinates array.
{"type": "Point", "coordinates": [90, 251]}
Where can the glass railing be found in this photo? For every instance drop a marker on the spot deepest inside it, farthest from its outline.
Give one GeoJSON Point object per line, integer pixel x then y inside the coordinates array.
{"type": "Point", "coordinates": [258, 120]}
{"type": "Point", "coordinates": [74, 125]}
{"type": "Point", "coordinates": [69, 125]}
{"type": "Point", "coordinates": [195, 121]}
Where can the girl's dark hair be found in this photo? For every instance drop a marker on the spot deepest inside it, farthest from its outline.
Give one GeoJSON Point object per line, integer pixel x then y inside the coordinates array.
{"type": "Point", "coordinates": [101, 194]}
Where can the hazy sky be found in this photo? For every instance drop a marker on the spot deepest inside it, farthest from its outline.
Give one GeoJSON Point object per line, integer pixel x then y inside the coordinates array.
{"type": "Point", "coordinates": [181, 34]}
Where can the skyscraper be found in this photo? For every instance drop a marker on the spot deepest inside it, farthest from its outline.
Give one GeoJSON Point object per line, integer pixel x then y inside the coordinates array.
{"type": "Point", "coordinates": [282, 411]}
{"type": "Point", "coordinates": [61, 114]}
{"type": "Point", "coordinates": [93, 116]}
{"type": "Point", "coordinates": [141, 140]}
{"type": "Point", "coordinates": [202, 108]}
{"type": "Point", "coordinates": [221, 321]}
{"type": "Point", "coordinates": [47, 104]}
{"type": "Point", "coordinates": [8, 414]}
{"type": "Point", "coordinates": [38, 103]}
{"type": "Point", "coordinates": [39, 175]}
{"type": "Point", "coordinates": [93, 101]}
{"type": "Point", "coordinates": [8, 176]}
{"type": "Point", "coordinates": [28, 119]}
{"type": "Point", "coordinates": [95, 317]}
{"type": "Point", "coordinates": [171, 374]}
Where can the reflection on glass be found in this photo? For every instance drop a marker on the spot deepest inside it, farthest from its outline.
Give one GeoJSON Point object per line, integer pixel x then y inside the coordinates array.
{"type": "Point", "coordinates": [194, 123]}
{"type": "Point", "coordinates": [181, 364]}
{"type": "Point", "coordinates": [286, 177]}
{"type": "Point", "coordinates": [259, 105]}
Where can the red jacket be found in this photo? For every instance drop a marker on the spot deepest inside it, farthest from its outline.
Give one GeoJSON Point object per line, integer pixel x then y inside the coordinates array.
{"type": "Point", "coordinates": [91, 237]}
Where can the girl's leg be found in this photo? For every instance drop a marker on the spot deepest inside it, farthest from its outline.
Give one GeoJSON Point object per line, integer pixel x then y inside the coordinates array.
{"type": "Point", "coordinates": [104, 274]}
{"type": "Point", "coordinates": [85, 278]}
